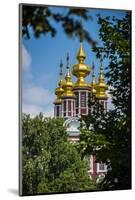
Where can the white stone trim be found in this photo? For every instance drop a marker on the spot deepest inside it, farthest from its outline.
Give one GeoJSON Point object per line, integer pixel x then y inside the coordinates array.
{"type": "Point", "coordinates": [66, 108]}
{"type": "Point", "coordinates": [79, 98]}
{"type": "Point", "coordinates": [91, 164]}
{"type": "Point", "coordinates": [82, 90]}
{"type": "Point", "coordinates": [74, 108]}
{"type": "Point", "coordinates": [62, 109]}
{"type": "Point", "coordinates": [87, 107]}
{"type": "Point", "coordinates": [73, 139]}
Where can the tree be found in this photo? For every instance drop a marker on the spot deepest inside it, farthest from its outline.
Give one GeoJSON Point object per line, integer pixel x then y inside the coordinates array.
{"type": "Point", "coordinates": [41, 18]}
{"type": "Point", "coordinates": [116, 39]}
{"type": "Point", "coordinates": [51, 164]}
{"type": "Point", "coordinates": [115, 125]}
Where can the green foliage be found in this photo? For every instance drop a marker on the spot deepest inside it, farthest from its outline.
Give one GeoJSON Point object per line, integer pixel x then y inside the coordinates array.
{"type": "Point", "coordinates": [115, 125]}
{"type": "Point", "coordinates": [116, 37]}
{"type": "Point", "coordinates": [51, 164]}
{"type": "Point", "coordinates": [89, 140]}
{"type": "Point", "coordinates": [41, 18]}
{"type": "Point", "coordinates": [118, 155]}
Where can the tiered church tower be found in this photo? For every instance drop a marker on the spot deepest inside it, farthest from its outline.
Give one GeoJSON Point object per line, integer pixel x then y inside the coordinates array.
{"type": "Point", "coordinates": [72, 100]}
{"type": "Point", "coordinates": [65, 97]}
{"type": "Point", "coordinates": [81, 89]}
{"type": "Point", "coordinates": [58, 92]}
{"type": "Point", "coordinates": [101, 88]}
{"type": "Point", "coordinates": [68, 96]}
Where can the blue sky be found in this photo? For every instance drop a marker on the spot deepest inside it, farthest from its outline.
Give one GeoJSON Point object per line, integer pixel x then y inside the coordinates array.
{"type": "Point", "coordinates": [41, 58]}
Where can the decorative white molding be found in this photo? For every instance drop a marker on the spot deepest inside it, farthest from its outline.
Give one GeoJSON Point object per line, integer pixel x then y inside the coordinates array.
{"type": "Point", "coordinates": [79, 98]}
{"type": "Point", "coordinates": [91, 164]}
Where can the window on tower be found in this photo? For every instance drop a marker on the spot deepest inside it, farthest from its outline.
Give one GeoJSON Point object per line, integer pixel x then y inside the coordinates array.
{"type": "Point", "coordinates": [69, 105]}
{"type": "Point", "coordinates": [77, 99]}
{"type": "Point", "coordinates": [57, 111]}
{"type": "Point", "coordinates": [64, 106]}
{"type": "Point", "coordinates": [101, 166]}
{"type": "Point", "coordinates": [73, 105]}
{"type": "Point", "coordinates": [83, 99]}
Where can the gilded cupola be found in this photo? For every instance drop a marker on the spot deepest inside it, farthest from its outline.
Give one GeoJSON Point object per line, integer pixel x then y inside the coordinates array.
{"type": "Point", "coordinates": [101, 86]}
{"type": "Point", "coordinates": [59, 90]}
{"type": "Point", "coordinates": [81, 70]}
{"type": "Point", "coordinates": [68, 84]}
{"type": "Point", "coordinates": [93, 82]}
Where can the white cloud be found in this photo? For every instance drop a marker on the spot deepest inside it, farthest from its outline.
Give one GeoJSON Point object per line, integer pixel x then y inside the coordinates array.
{"type": "Point", "coordinates": [31, 109]}
{"type": "Point", "coordinates": [49, 112]}
{"type": "Point", "coordinates": [37, 95]}
{"type": "Point", "coordinates": [26, 59]}
{"type": "Point", "coordinates": [34, 110]}
{"type": "Point", "coordinates": [37, 99]}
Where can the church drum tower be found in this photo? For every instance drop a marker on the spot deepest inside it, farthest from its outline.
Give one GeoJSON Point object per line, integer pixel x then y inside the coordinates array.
{"type": "Point", "coordinates": [81, 89]}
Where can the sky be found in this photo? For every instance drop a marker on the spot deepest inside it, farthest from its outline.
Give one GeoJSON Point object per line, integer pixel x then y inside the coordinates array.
{"type": "Point", "coordinates": [41, 58]}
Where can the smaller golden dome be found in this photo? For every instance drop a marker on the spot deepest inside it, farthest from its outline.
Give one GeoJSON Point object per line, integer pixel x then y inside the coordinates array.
{"type": "Point", "coordinates": [59, 90]}
{"type": "Point", "coordinates": [101, 86]}
{"type": "Point", "coordinates": [68, 84]}
{"type": "Point", "coordinates": [81, 70]}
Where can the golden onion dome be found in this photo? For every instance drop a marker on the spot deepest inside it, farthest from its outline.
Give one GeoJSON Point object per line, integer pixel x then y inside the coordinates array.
{"type": "Point", "coordinates": [68, 84]}
{"type": "Point", "coordinates": [59, 90]}
{"type": "Point", "coordinates": [81, 70]}
{"type": "Point", "coordinates": [101, 86]}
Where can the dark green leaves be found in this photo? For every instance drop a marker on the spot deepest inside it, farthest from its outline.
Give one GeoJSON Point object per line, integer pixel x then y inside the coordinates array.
{"type": "Point", "coordinates": [115, 35]}
{"type": "Point", "coordinates": [40, 20]}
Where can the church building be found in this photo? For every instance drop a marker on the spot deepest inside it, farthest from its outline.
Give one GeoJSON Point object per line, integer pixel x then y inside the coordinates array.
{"type": "Point", "coordinates": [72, 101]}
